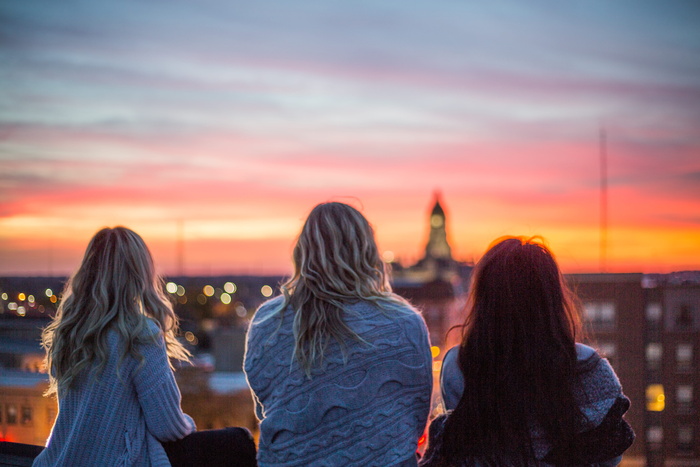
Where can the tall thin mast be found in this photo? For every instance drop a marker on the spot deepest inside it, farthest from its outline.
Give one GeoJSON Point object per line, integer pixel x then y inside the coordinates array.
{"type": "Point", "coordinates": [603, 200]}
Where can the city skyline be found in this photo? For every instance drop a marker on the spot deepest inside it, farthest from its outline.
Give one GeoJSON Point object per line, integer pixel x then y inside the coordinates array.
{"type": "Point", "coordinates": [212, 128]}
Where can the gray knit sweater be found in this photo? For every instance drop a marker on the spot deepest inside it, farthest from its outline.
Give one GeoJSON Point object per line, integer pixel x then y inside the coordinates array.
{"type": "Point", "coordinates": [598, 391]}
{"type": "Point", "coordinates": [113, 421]}
{"type": "Point", "coordinates": [367, 411]}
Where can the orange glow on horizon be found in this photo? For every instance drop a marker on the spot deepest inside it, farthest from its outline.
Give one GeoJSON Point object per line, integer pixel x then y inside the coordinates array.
{"type": "Point", "coordinates": [577, 249]}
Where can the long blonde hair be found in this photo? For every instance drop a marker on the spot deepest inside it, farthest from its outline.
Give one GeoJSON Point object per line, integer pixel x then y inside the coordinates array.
{"type": "Point", "coordinates": [115, 288]}
{"type": "Point", "coordinates": [336, 261]}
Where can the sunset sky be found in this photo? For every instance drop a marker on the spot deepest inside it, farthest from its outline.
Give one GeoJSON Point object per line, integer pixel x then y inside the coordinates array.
{"type": "Point", "coordinates": [224, 122]}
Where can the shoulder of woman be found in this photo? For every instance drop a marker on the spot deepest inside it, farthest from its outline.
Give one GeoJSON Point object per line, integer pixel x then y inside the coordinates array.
{"type": "Point", "coordinates": [597, 379]}
{"type": "Point", "coordinates": [268, 308]}
{"type": "Point", "coordinates": [452, 355]}
{"type": "Point", "coordinates": [404, 309]}
{"type": "Point", "coordinates": [585, 353]}
{"type": "Point", "coordinates": [152, 328]}
{"type": "Point", "coordinates": [451, 379]}
{"type": "Point", "coordinates": [150, 333]}
{"type": "Point", "coordinates": [450, 366]}
{"type": "Point", "coordinates": [410, 319]}
{"type": "Point", "coordinates": [150, 336]}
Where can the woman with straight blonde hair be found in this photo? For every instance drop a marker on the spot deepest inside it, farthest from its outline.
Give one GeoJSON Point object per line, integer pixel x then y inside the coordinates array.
{"type": "Point", "coordinates": [339, 366]}
{"type": "Point", "coordinates": [108, 356]}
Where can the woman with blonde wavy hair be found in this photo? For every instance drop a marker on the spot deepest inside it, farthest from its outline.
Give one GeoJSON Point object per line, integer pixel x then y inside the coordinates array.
{"type": "Point", "coordinates": [339, 366]}
{"type": "Point", "coordinates": [108, 350]}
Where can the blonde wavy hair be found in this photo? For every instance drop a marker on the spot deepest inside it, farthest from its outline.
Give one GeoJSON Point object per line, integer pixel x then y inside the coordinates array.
{"type": "Point", "coordinates": [336, 262]}
{"type": "Point", "coordinates": [115, 288]}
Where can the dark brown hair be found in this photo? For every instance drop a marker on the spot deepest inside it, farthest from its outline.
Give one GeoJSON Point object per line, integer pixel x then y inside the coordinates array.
{"type": "Point", "coordinates": [517, 357]}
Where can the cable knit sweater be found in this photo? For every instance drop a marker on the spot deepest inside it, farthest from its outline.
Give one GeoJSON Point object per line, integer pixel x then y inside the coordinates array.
{"type": "Point", "coordinates": [368, 411]}
{"type": "Point", "coordinates": [118, 421]}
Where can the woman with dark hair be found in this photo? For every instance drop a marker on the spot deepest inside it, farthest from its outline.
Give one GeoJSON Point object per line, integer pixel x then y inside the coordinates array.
{"type": "Point", "coordinates": [519, 389]}
{"type": "Point", "coordinates": [340, 367]}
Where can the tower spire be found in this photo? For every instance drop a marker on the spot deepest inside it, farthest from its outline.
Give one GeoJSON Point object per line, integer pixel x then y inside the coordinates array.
{"type": "Point", "coordinates": [437, 246]}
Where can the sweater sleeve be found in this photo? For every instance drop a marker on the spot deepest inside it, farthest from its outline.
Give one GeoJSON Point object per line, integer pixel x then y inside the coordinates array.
{"type": "Point", "coordinates": [159, 395]}
{"type": "Point", "coordinates": [250, 346]}
{"type": "Point", "coordinates": [605, 434]}
{"type": "Point", "coordinates": [258, 331]}
{"type": "Point", "coordinates": [602, 445]}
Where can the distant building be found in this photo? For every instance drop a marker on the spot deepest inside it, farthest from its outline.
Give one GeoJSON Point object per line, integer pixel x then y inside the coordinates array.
{"type": "Point", "coordinates": [672, 369]}
{"type": "Point", "coordinates": [25, 415]}
{"type": "Point", "coordinates": [436, 284]}
{"type": "Point", "coordinates": [648, 326]}
{"type": "Point", "coordinates": [613, 305]}
{"type": "Point", "coordinates": [437, 263]}
{"type": "Point", "coordinates": [20, 345]}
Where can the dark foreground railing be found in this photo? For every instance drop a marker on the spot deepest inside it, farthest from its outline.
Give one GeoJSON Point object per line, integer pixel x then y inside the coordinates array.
{"type": "Point", "coordinates": [16, 454]}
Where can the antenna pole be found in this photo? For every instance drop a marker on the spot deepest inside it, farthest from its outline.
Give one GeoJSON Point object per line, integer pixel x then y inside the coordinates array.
{"type": "Point", "coordinates": [603, 200]}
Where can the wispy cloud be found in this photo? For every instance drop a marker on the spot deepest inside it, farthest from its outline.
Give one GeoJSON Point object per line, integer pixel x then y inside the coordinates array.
{"type": "Point", "coordinates": [238, 117]}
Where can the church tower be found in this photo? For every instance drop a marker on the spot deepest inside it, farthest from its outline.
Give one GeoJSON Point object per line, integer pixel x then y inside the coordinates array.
{"type": "Point", "coordinates": [437, 247]}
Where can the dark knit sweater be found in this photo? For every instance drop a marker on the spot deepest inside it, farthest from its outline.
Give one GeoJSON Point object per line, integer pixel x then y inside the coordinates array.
{"type": "Point", "coordinates": [604, 435]}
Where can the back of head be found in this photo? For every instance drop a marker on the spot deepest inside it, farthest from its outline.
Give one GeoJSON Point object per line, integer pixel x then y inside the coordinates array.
{"type": "Point", "coordinates": [336, 256]}
{"type": "Point", "coordinates": [117, 267]}
{"type": "Point", "coordinates": [115, 287]}
{"type": "Point", "coordinates": [336, 261]}
{"type": "Point", "coordinates": [518, 297]}
{"type": "Point", "coordinates": [518, 353]}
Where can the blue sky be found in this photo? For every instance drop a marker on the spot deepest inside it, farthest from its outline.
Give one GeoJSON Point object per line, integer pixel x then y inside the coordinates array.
{"type": "Point", "coordinates": [238, 117]}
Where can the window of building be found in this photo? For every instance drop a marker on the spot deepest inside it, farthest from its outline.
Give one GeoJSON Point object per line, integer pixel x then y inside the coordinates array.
{"type": "Point", "coordinates": [654, 352]}
{"type": "Point", "coordinates": [653, 312]}
{"type": "Point", "coordinates": [685, 439]}
{"type": "Point", "coordinates": [11, 414]}
{"type": "Point", "coordinates": [655, 436]}
{"type": "Point", "coordinates": [656, 399]}
{"type": "Point", "coordinates": [26, 415]}
{"type": "Point", "coordinates": [684, 317]}
{"type": "Point", "coordinates": [600, 315]}
{"type": "Point", "coordinates": [684, 398]}
{"type": "Point", "coordinates": [684, 357]}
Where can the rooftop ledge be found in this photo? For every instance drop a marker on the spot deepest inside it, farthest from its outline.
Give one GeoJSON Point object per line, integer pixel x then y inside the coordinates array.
{"type": "Point", "coordinates": [17, 454]}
